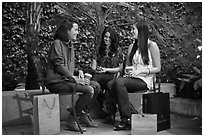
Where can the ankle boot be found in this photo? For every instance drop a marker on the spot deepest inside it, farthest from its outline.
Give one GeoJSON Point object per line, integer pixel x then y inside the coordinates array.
{"type": "Point", "coordinates": [86, 120]}
{"type": "Point", "coordinates": [125, 124]}
{"type": "Point", "coordinates": [72, 124]}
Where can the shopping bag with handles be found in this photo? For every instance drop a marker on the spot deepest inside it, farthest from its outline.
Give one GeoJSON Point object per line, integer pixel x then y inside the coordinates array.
{"type": "Point", "coordinates": [158, 103]}
{"type": "Point", "coordinates": [144, 124]}
{"type": "Point", "coordinates": [46, 115]}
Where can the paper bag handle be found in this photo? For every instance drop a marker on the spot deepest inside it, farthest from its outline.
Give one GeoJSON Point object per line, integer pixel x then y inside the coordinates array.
{"type": "Point", "coordinates": [50, 108]}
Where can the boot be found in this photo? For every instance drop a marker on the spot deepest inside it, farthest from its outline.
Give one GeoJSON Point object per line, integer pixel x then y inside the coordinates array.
{"type": "Point", "coordinates": [86, 120]}
{"type": "Point", "coordinates": [72, 124]}
{"type": "Point", "coordinates": [125, 124]}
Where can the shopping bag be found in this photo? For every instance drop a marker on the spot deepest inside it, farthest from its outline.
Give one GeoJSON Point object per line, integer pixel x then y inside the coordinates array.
{"type": "Point", "coordinates": [158, 103]}
{"type": "Point", "coordinates": [144, 124]}
{"type": "Point", "coordinates": [46, 115]}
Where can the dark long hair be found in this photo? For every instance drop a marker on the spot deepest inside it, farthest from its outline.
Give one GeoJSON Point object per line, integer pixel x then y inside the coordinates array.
{"type": "Point", "coordinates": [142, 42]}
{"type": "Point", "coordinates": [114, 41]}
{"type": "Point", "coordinates": [62, 31]}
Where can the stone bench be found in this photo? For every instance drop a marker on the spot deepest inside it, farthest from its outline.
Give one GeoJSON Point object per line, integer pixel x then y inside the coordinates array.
{"type": "Point", "coordinates": [186, 106]}
{"type": "Point", "coordinates": [17, 107]}
{"type": "Point", "coordinates": [191, 107]}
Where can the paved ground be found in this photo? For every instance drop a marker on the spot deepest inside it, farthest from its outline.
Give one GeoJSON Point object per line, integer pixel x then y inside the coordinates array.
{"type": "Point", "coordinates": [180, 125]}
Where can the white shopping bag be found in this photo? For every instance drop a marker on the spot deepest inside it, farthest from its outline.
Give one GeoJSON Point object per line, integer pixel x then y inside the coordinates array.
{"type": "Point", "coordinates": [46, 115]}
{"type": "Point", "coordinates": [144, 124]}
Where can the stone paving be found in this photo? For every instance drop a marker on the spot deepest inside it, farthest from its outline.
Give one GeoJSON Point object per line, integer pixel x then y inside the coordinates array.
{"type": "Point", "coordinates": [180, 125]}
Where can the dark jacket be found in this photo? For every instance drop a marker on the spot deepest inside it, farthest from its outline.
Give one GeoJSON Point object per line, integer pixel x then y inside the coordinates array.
{"type": "Point", "coordinates": [60, 61]}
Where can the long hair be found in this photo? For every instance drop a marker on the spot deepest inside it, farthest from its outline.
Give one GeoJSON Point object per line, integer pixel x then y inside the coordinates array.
{"type": "Point", "coordinates": [114, 41]}
{"type": "Point", "coordinates": [62, 31]}
{"type": "Point", "coordinates": [142, 42]}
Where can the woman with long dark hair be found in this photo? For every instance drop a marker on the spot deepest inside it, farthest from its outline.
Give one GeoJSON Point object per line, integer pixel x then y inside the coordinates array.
{"type": "Point", "coordinates": [109, 56]}
{"type": "Point", "coordinates": [142, 62]}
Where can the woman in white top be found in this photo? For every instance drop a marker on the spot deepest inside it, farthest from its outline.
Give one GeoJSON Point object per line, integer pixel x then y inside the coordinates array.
{"type": "Point", "coordinates": [143, 60]}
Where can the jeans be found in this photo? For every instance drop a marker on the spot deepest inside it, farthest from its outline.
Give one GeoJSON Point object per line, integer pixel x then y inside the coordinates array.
{"type": "Point", "coordinates": [119, 89]}
{"type": "Point", "coordinates": [103, 79]}
{"type": "Point", "coordinates": [84, 100]}
{"type": "Point", "coordinates": [97, 88]}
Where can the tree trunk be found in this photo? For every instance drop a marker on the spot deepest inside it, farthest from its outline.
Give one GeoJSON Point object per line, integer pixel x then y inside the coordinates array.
{"type": "Point", "coordinates": [32, 28]}
{"type": "Point", "coordinates": [31, 78]}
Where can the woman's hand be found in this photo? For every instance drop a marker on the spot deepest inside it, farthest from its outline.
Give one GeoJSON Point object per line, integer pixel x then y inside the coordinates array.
{"type": "Point", "coordinates": [86, 81]}
{"type": "Point", "coordinates": [134, 73]}
{"type": "Point", "coordinates": [103, 70]}
{"type": "Point", "coordinates": [100, 70]}
{"type": "Point", "coordinates": [81, 74]}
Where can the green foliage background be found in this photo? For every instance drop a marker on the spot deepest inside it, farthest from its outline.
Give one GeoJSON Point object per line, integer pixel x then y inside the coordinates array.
{"type": "Point", "coordinates": [176, 27]}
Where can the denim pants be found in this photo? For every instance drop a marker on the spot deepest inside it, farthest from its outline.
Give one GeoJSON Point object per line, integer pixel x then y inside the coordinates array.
{"type": "Point", "coordinates": [84, 100]}
{"type": "Point", "coordinates": [103, 79]}
{"type": "Point", "coordinates": [119, 89]}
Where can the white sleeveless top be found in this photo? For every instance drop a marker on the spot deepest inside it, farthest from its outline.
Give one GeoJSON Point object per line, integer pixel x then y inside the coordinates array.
{"type": "Point", "coordinates": [138, 64]}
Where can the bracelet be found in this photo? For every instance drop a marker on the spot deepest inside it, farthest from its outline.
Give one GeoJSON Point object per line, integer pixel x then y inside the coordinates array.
{"type": "Point", "coordinates": [148, 71]}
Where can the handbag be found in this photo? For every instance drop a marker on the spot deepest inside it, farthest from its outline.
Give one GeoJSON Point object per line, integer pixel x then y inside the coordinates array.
{"type": "Point", "coordinates": [46, 115]}
{"type": "Point", "coordinates": [158, 103]}
{"type": "Point", "coordinates": [144, 124]}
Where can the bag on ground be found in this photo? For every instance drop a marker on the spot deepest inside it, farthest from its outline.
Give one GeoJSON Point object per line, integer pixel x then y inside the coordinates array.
{"type": "Point", "coordinates": [158, 103]}
{"type": "Point", "coordinates": [144, 124]}
{"type": "Point", "coordinates": [46, 115]}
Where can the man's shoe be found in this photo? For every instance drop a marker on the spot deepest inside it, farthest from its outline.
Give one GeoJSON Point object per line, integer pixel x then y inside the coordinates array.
{"type": "Point", "coordinates": [86, 120]}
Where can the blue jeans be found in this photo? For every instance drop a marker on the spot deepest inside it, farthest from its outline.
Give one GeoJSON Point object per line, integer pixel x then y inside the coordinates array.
{"type": "Point", "coordinates": [119, 89]}
{"type": "Point", "coordinates": [103, 79]}
{"type": "Point", "coordinates": [84, 100]}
